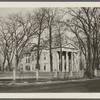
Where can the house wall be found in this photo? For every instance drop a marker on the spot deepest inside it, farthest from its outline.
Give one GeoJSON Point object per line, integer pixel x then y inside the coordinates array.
{"type": "Point", "coordinates": [44, 61]}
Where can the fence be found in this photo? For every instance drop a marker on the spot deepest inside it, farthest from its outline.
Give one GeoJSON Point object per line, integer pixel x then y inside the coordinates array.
{"type": "Point", "coordinates": [42, 75]}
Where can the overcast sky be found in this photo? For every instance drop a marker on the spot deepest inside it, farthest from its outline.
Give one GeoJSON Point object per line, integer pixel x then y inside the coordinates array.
{"type": "Point", "coordinates": [6, 11]}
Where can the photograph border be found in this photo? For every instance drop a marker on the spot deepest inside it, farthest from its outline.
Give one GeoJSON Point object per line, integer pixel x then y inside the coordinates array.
{"type": "Point", "coordinates": [19, 96]}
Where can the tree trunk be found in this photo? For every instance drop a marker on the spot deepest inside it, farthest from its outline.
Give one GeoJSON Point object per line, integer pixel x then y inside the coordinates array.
{"type": "Point", "coordinates": [38, 53]}
{"type": "Point", "coordinates": [60, 52]}
{"type": "Point", "coordinates": [3, 64]}
{"type": "Point", "coordinates": [17, 61]}
{"type": "Point", "coordinates": [38, 57]}
{"type": "Point", "coordinates": [60, 59]}
{"type": "Point", "coordinates": [50, 49]}
{"type": "Point", "coordinates": [90, 60]}
{"type": "Point", "coordinates": [9, 64]}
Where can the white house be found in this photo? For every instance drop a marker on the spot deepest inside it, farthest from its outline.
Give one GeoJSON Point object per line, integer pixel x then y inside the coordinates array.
{"type": "Point", "coordinates": [70, 59]}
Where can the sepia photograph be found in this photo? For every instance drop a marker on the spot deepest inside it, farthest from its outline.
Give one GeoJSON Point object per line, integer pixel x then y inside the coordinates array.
{"type": "Point", "coordinates": [49, 49]}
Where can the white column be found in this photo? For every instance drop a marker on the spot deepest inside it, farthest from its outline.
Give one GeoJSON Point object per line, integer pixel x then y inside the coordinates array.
{"type": "Point", "coordinates": [63, 64]}
{"type": "Point", "coordinates": [78, 61]}
{"type": "Point", "coordinates": [48, 59]}
{"type": "Point", "coordinates": [54, 62]}
{"type": "Point", "coordinates": [75, 65]}
{"type": "Point", "coordinates": [71, 72]}
{"type": "Point", "coordinates": [57, 59]}
{"type": "Point", "coordinates": [72, 61]}
{"type": "Point", "coordinates": [95, 72]}
{"type": "Point", "coordinates": [67, 63]}
{"type": "Point", "coordinates": [31, 65]}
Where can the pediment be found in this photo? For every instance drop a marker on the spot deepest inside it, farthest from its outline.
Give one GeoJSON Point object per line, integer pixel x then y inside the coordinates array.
{"type": "Point", "coordinates": [71, 46]}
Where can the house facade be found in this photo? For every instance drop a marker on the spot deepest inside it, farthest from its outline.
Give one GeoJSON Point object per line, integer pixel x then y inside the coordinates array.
{"type": "Point", "coordinates": [70, 60]}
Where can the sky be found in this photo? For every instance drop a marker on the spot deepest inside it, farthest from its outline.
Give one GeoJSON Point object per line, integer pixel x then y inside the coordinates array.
{"type": "Point", "coordinates": [6, 11]}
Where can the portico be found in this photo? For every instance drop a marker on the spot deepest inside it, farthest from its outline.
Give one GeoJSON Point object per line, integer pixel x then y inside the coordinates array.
{"type": "Point", "coordinates": [70, 59]}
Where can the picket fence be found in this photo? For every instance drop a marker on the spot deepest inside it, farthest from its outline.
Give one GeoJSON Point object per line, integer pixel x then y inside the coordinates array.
{"type": "Point", "coordinates": [42, 75]}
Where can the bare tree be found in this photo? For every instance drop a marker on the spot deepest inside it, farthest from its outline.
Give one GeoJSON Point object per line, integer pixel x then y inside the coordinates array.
{"type": "Point", "coordinates": [83, 25]}
{"type": "Point", "coordinates": [59, 39]}
{"type": "Point", "coordinates": [40, 21]}
{"type": "Point", "coordinates": [6, 44]}
{"type": "Point", "coordinates": [28, 31]}
{"type": "Point", "coordinates": [51, 17]}
{"type": "Point", "coordinates": [19, 31]}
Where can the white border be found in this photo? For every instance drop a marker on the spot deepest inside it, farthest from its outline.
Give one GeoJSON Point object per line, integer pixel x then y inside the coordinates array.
{"type": "Point", "coordinates": [50, 95]}
{"type": "Point", "coordinates": [49, 4]}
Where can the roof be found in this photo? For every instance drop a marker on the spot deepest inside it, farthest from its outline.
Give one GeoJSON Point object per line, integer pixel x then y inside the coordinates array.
{"type": "Point", "coordinates": [67, 46]}
{"type": "Point", "coordinates": [71, 46]}
{"type": "Point", "coordinates": [34, 48]}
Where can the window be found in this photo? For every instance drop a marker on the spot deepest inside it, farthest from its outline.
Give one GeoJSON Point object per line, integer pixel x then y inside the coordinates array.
{"type": "Point", "coordinates": [33, 67]}
{"type": "Point", "coordinates": [37, 67]}
{"type": "Point", "coordinates": [44, 53]}
{"type": "Point", "coordinates": [27, 60]}
{"type": "Point", "coordinates": [21, 68]}
{"type": "Point", "coordinates": [27, 55]}
{"type": "Point", "coordinates": [35, 57]}
{"type": "Point", "coordinates": [27, 68]}
{"type": "Point", "coordinates": [44, 66]}
{"type": "Point", "coordinates": [44, 58]}
{"type": "Point", "coordinates": [32, 57]}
